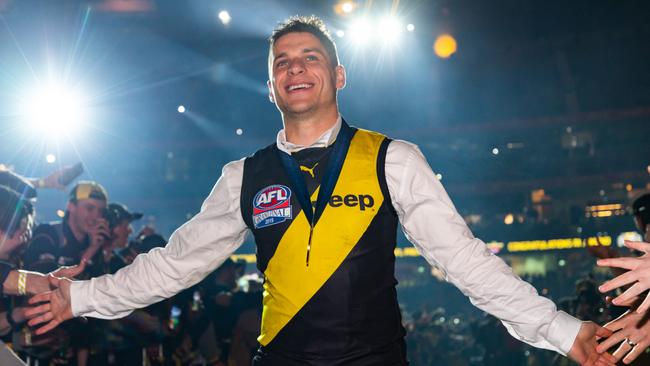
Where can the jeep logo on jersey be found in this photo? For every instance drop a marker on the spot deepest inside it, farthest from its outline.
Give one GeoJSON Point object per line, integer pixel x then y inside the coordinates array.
{"type": "Point", "coordinates": [363, 201]}
{"type": "Point", "coordinates": [271, 206]}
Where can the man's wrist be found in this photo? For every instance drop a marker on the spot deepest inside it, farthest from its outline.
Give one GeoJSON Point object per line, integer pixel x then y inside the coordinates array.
{"type": "Point", "coordinates": [563, 331]}
{"type": "Point", "coordinates": [35, 283]}
{"type": "Point", "coordinates": [20, 282]}
{"type": "Point", "coordinates": [80, 299]}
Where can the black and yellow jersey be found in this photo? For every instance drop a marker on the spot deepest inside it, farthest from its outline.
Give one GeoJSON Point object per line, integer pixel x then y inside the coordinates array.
{"type": "Point", "coordinates": [341, 308]}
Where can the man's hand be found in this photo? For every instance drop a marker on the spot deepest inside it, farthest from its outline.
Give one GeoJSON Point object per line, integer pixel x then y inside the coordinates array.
{"type": "Point", "coordinates": [55, 306]}
{"type": "Point", "coordinates": [632, 331]}
{"type": "Point", "coordinates": [638, 273]}
{"type": "Point", "coordinates": [584, 351]}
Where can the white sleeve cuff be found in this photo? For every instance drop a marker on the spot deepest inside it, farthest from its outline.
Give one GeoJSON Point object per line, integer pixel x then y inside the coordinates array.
{"type": "Point", "coordinates": [79, 299]}
{"type": "Point", "coordinates": [563, 331]}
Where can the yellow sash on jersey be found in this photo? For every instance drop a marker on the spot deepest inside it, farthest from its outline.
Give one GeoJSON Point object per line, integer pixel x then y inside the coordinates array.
{"type": "Point", "coordinates": [289, 282]}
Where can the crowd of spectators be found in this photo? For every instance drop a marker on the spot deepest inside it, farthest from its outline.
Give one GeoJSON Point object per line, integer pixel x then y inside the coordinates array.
{"type": "Point", "coordinates": [216, 322]}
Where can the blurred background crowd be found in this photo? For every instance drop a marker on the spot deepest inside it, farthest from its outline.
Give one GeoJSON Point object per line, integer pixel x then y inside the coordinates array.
{"type": "Point", "coordinates": [535, 115]}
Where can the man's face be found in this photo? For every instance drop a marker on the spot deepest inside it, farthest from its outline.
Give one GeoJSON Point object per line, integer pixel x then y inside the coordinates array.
{"type": "Point", "coordinates": [303, 79]}
{"type": "Point", "coordinates": [121, 234]}
{"type": "Point", "coordinates": [85, 213]}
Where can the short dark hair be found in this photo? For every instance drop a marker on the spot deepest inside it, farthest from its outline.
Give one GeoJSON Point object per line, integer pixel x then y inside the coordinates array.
{"type": "Point", "coordinates": [309, 24]}
{"type": "Point", "coordinates": [13, 210]}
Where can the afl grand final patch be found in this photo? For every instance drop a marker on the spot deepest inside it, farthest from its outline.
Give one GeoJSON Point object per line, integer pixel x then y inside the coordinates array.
{"type": "Point", "coordinates": [271, 205]}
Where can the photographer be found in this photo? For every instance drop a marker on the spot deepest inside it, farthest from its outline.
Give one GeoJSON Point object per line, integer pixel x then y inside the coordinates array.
{"type": "Point", "coordinates": [78, 237]}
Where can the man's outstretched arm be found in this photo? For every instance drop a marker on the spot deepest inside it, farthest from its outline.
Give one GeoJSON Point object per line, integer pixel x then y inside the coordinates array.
{"type": "Point", "coordinates": [432, 224]}
{"type": "Point", "coordinates": [194, 250]}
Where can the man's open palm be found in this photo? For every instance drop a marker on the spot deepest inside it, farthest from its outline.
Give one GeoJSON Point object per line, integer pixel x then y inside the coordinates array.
{"type": "Point", "coordinates": [52, 307]}
{"type": "Point", "coordinates": [584, 351]}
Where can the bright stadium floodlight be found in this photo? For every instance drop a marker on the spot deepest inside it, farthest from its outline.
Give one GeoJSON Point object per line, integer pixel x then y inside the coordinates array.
{"type": "Point", "coordinates": [224, 17]}
{"type": "Point", "coordinates": [53, 110]}
{"type": "Point", "coordinates": [360, 31]}
{"type": "Point", "coordinates": [344, 7]}
{"type": "Point", "coordinates": [347, 7]}
{"type": "Point", "coordinates": [389, 29]}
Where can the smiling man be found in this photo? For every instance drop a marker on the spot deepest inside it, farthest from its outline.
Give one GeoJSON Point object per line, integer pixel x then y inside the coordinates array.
{"type": "Point", "coordinates": [323, 203]}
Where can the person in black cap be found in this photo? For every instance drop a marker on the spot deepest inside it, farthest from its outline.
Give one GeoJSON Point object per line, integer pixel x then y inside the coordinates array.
{"type": "Point", "coordinates": [119, 222]}
{"type": "Point", "coordinates": [116, 253]}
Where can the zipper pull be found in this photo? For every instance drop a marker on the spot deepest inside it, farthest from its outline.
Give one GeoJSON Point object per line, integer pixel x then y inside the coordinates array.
{"type": "Point", "coordinates": [311, 232]}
